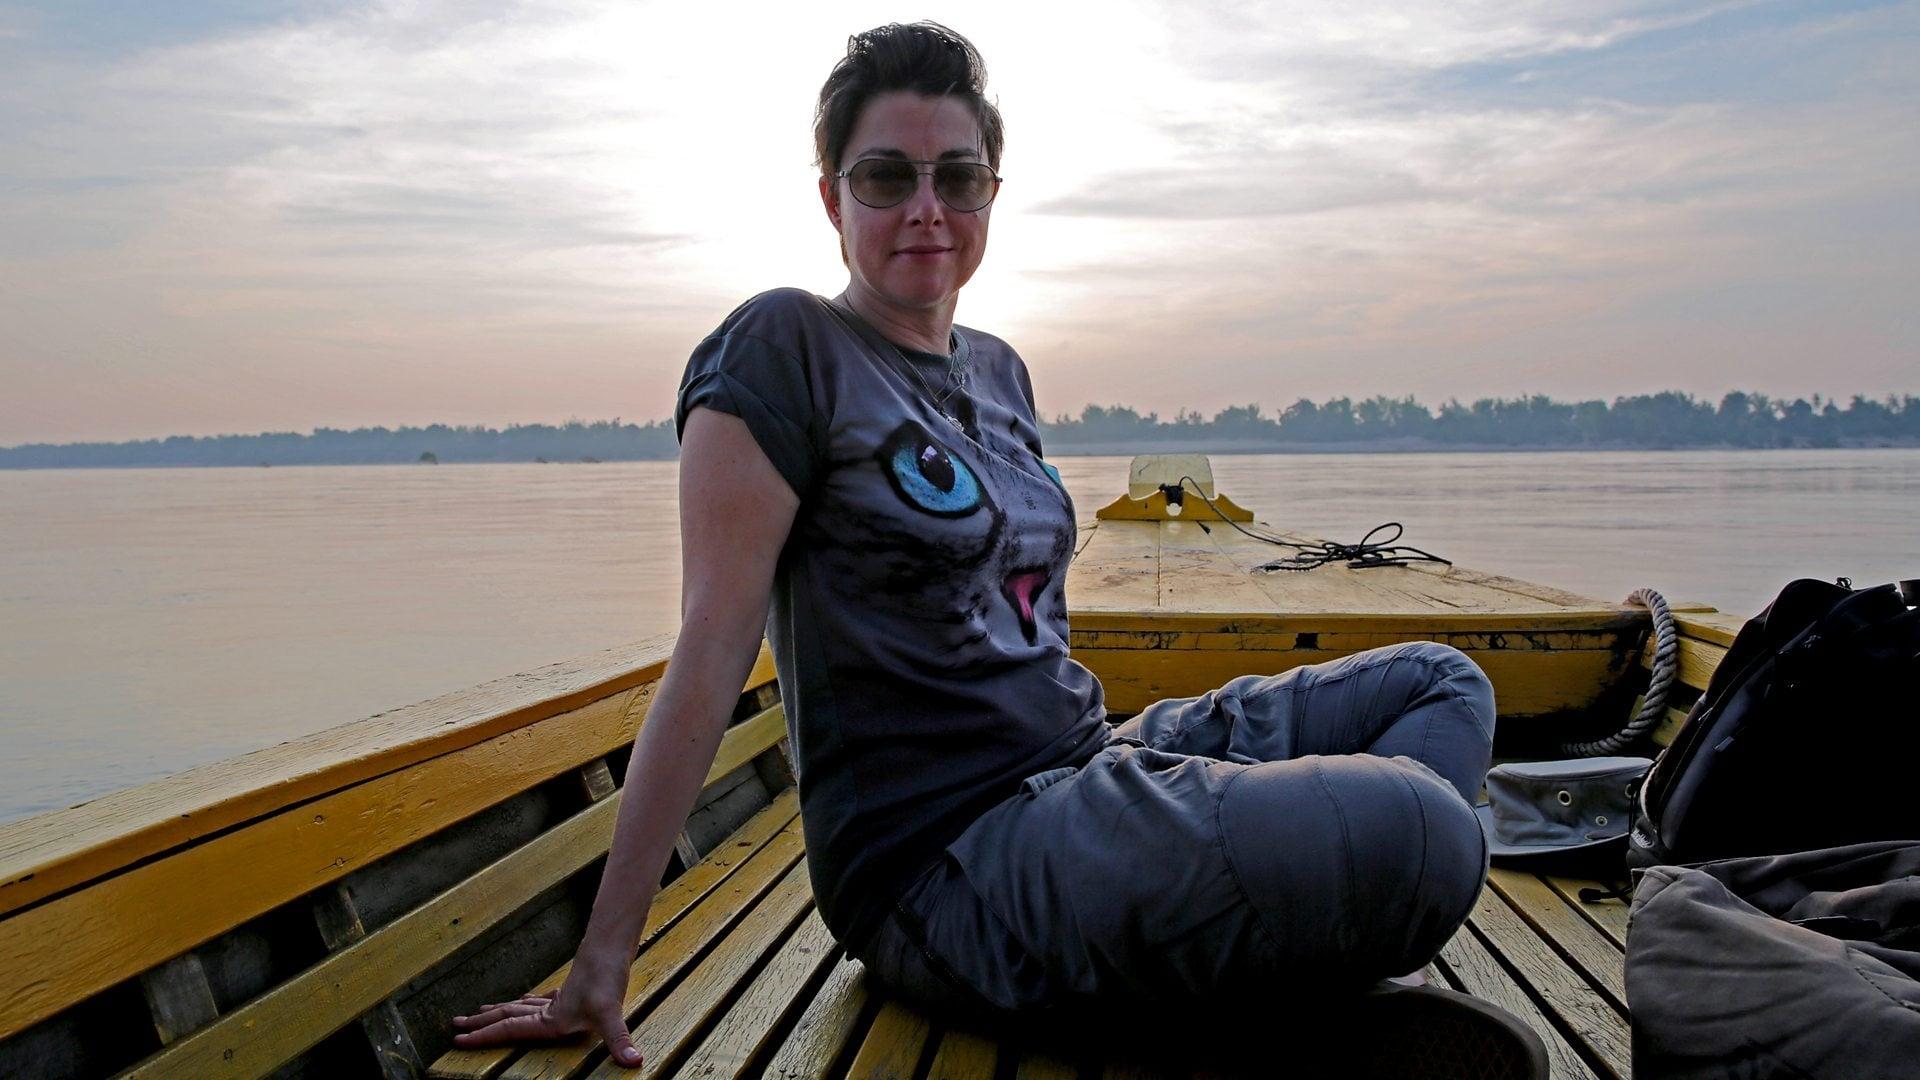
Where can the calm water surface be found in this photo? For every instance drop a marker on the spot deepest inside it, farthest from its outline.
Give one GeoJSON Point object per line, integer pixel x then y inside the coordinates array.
{"type": "Point", "coordinates": [151, 620]}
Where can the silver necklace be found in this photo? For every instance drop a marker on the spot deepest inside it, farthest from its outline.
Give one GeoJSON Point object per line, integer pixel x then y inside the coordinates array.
{"type": "Point", "coordinates": [939, 400]}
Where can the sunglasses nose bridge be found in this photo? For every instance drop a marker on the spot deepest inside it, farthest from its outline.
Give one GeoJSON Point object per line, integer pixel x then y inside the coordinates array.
{"type": "Point", "coordinates": [925, 199]}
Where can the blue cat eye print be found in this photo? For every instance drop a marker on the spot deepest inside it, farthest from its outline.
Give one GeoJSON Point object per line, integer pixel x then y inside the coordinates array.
{"type": "Point", "coordinates": [928, 476]}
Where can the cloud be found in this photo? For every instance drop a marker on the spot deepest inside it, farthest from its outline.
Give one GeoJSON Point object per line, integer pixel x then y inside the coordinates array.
{"type": "Point", "coordinates": [312, 210]}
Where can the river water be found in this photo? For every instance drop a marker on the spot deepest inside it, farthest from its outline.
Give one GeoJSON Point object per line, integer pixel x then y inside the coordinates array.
{"type": "Point", "coordinates": [155, 619]}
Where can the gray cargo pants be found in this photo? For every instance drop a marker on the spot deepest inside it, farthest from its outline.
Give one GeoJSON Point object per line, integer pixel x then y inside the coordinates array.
{"type": "Point", "coordinates": [1303, 831]}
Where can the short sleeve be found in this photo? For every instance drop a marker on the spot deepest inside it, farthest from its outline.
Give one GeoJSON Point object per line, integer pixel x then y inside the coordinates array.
{"type": "Point", "coordinates": [765, 386]}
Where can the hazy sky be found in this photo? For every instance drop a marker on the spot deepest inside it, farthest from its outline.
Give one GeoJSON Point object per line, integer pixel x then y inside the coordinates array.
{"type": "Point", "coordinates": [220, 217]}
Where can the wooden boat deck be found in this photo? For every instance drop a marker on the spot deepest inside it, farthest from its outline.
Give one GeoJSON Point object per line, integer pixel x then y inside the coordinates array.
{"type": "Point", "coordinates": [373, 879]}
{"type": "Point", "coordinates": [1200, 567]}
{"type": "Point", "coordinates": [1174, 608]}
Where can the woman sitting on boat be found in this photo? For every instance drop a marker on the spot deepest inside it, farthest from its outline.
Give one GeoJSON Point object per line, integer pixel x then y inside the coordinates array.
{"type": "Point", "coordinates": [862, 480]}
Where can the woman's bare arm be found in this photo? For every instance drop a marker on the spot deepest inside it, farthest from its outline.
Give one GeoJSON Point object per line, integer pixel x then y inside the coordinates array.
{"type": "Point", "coordinates": [735, 513]}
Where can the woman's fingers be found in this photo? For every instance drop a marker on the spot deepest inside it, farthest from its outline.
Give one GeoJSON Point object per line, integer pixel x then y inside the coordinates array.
{"type": "Point", "coordinates": [488, 1013]}
{"type": "Point", "coordinates": [519, 1026]}
{"type": "Point", "coordinates": [495, 1014]}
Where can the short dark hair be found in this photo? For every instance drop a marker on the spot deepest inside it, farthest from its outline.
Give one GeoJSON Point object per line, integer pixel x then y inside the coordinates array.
{"type": "Point", "coordinates": [924, 57]}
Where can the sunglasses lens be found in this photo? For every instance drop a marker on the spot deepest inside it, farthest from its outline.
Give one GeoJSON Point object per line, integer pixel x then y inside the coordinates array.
{"type": "Point", "coordinates": [881, 184]}
{"type": "Point", "coordinates": [962, 186]}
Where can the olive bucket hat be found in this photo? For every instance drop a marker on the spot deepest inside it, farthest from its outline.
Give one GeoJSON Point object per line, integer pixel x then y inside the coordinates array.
{"type": "Point", "coordinates": [1558, 807]}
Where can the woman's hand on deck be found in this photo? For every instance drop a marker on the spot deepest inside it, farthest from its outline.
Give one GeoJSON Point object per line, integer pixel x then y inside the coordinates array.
{"type": "Point", "coordinates": [593, 1000]}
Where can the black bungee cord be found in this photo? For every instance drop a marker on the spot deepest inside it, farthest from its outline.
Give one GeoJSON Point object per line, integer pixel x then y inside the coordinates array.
{"type": "Point", "coordinates": [1361, 556]}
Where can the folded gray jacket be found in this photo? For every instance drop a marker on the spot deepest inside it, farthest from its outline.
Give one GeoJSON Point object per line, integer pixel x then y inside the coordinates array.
{"type": "Point", "coordinates": [1801, 965]}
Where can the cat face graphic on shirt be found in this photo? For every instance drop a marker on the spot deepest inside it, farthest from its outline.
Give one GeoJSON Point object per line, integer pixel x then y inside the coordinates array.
{"type": "Point", "coordinates": [965, 542]}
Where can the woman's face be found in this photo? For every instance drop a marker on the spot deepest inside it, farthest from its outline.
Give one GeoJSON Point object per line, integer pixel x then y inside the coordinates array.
{"type": "Point", "coordinates": [918, 254]}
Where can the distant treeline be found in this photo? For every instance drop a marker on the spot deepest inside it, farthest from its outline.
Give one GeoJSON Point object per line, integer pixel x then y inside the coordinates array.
{"type": "Point", "coordinates": [1652, 421]}
{"type": "Point", "coordinates": [1648, 421]}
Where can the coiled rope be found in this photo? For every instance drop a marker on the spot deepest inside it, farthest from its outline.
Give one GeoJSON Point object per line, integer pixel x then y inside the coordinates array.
{"type": "Point", "coordinates": [1368, 553]}
{"type": "Point", "coordinates": [1653, 707]}
{"type": "Point", "coordinates": [1361, 556]}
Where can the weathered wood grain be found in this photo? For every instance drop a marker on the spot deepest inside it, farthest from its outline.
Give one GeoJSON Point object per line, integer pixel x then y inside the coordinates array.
{"type": "Point", "coordinates": [298, 1013]}
{"type": "Point", "coordinates": [662, 960]}
{"type": "Point", "coordinates": [338, 919]}
{"type": "Point", "coordinates": [964, 1055]}
{"type": "Point", "coordinates": [178, 998]}
{"type": "Point", "coordinates": [1565, 993]}
{"type": "Point", "coordinates": [744, 1035]}
{"type": "Point", "coordinates": [1592, 953]}
{"type": "Point", "coordinates": [825, 1028]}
{"type": "Point", "coordinates": [1526, 682]}
{"type": "Point", "coordinates": [1118, 568]}
{"type": "Point", "coordinates": [1479, 974]}
{"type": "Point", "coordinates": [1697, 660]}
{"type": "Point", "coordinates": [66, 949]}
{"type": "Point", "coordinates": [668, 1029]}
{"type": "Point", "coordinates": [1607, 916]}
{"type": "Point", "coordinates": [673, 902]}
{"type": "Point", "coordinates": [892, 1048]}
{"type": "Point", "coordinates": [49, 853]}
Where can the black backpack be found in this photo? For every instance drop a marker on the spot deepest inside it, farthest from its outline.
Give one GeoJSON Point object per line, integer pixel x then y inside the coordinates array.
{"type": "Point", "coordinates": [1808, 735]}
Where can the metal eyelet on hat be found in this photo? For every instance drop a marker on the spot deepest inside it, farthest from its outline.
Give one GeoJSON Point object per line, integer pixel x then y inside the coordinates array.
{"type": "Point", "coordinates": [1565, 797]}
{"type": "Point", "coordinates": [1600, 819]}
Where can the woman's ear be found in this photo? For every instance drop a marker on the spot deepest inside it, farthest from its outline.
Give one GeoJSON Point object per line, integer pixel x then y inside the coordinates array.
{"type": "Point", "coordinates": [830, 198]}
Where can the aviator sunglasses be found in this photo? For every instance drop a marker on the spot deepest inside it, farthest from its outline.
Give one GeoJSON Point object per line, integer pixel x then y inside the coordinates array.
{"type": "Point", "coordinates": [881, 183]}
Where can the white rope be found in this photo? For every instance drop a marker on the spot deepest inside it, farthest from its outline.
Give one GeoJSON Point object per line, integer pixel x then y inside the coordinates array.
{"type": "Point", "coordinates": [1653, 707]}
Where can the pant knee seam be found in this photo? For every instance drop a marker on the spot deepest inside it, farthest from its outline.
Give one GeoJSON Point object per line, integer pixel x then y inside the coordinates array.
{"type": "Point", "coordinates": [1346, 836]}
{"type": "Point", "coordinates": [1233, 871]}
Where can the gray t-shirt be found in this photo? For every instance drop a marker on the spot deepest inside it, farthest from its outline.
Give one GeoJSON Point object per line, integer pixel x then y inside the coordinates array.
{"type": "Point", "coordinates": [919, 620]}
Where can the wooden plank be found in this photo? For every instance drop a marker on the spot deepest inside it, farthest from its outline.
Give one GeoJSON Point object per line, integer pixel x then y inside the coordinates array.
{"type": "Point", "coordinates": [664, 958]}
{"type": "Point", "coordinates": [100, 935]}
{"type": "Point", "coordinates": [670, 904]}
{"type": "Point", "coordinates": [964, 1055]}
{"type": "Point", "coordinates": [1478, 973]}
{"type": "Point", "coordinates": [1119, 568]}
{"type": "Point", "coordinates": [1416, 587]}
{"type": "Point", "coordinates": [1607, 916]}
{"type": "Point", "coordinates": [1591, 952]}
{"type": "Point", "coordinates": [1196, 575]}
{"type": "Point", "coordinates": [1526, 682]}
{"type": "Point", "coordinates": [50, 853]}
{"type": "Point", "coordinates": [300, 1012]}
{"type": "Point", "coordinates": [1083, 534]}
{"type": "Point", "coordinates": [745, 1034]}
{"type": "Point", "coordinates": [1698, 659]}
{"type": "Point", "coordinates": [1669, 726]}
{"type": "Point", "coordinates": [1563, 991]}
{"type": "Point", "coordinates": [668, 1029]}
{"type": "Point", "coordinates": [178, 997]}
{"type": "Point", "coordinates": [892, 1048]}
{"type": "Point", "coordinates": [748, 740]}
{"type": "Point", "coordinates": [596, 780]}
{"type": "Point", "coordinates": [823, 1031]}
{"type": "Point", "coordinates": [1529, 589]}
{"type": "Point", "coordinates": [338, 920]}
{"type": "Point", "coordinates": [1360, 622]}
{"type": "Point", "coordinates": [67, 949]}
{"type": "Point", "coordinates": [1346, 641]}
{"type": "Point", "coordinates": [1714, 627]}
